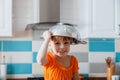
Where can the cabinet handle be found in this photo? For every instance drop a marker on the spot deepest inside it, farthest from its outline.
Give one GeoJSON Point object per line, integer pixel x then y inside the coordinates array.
{"type": "Point", "coordinates": [119, 29]}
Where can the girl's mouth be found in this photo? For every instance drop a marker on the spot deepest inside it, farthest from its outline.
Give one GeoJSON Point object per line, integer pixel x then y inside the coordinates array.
{"type": "Point", "coordinates": [62, 52]}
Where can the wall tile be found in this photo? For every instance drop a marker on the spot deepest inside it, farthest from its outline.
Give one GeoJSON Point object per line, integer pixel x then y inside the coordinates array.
{"type": "Point", "coordinates": [36, 45]}
{"type": "Point", "coordinates": [86, 75]}
{"type": "Point", "coordinates": [117, 68]}
{"type": "Point", "coordinates": [97, 74]}
{"type": "Point", "coordinates": [17, 46]}
{"type": "Point", "coordinates": [0, 45]}
{"type": "Point", "coordinates": [84, 67]}
{"type": "Point", "coordinates": [97, 67]}
{"type": "Point", "coordinates": [117, 57]}
{"type": "Point", "coordinates": [117, 45]}
{"type": "Point", "coordinates": [34, 57]}
{"type": "Point", "coordinates": [37, 69]}
{"type": "Point", "coordinates": [15, 76]}
{"type": "Point", "coordinates": [99, 57]}
{"type": "Point", "coordinates": [81, 56]}
{"type": "Point", "coordinates": [18, 57]}
{"type": "Point", "coordinates": [79, 48]}
{"type": "Point", "coordinates": [101, 45]}
{"type": "Point", "coordinates": [19, 68]}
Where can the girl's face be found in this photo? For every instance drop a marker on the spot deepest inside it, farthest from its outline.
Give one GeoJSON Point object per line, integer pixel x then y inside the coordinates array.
{"type": "Point", "coordinates": [60, 47]}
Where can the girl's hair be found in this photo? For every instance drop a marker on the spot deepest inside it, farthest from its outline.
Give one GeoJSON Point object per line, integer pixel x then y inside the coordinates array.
{"type": "Point", "coordinates": [54, 38]}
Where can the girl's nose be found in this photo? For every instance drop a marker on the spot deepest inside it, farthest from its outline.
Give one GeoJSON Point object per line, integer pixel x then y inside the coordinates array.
{"type": "Point", "coordinates": [62, 46]}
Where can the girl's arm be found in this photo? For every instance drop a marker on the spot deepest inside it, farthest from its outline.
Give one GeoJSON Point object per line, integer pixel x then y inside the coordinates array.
{"type": "Point", "coordinates": [76, 76]}
{"type": "Point", "coordinates": [41, 56]}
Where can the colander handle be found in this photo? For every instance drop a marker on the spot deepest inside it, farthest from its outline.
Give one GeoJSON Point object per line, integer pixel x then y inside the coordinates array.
{"type": "Point", "coordinates": [83, 42]}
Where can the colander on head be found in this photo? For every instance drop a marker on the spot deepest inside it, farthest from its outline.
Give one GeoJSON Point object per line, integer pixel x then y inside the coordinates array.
{"type": "Point", "coordinates": [67, 30]}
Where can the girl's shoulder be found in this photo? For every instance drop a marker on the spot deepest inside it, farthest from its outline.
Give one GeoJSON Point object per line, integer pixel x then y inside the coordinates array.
{"type": "Point", "coordinates": [50, 56]}
{"type": "Point", "coordinates": [73, 58]}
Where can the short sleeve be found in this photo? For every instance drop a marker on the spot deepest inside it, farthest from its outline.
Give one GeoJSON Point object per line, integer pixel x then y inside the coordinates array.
{"type": "Point", "coordinates": [50, 59]}
{"type": "Point", "coordinates": [75, 64]}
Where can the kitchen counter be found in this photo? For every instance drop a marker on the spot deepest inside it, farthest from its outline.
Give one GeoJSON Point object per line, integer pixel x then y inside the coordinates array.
{"type": "Point", "coordinates": [90, 78]}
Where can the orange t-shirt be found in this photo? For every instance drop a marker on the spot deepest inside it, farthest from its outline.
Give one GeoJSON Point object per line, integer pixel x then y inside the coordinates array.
{"type": "Point", "coordinates": [54, 71]}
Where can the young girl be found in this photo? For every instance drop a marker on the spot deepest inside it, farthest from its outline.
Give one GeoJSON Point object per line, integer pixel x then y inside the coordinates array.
{"type": "Point", "coordinates": [58, 65]}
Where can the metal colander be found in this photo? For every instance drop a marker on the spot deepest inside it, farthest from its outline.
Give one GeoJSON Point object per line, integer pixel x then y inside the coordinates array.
{"type": "Point", "coordinates": [67, 30]}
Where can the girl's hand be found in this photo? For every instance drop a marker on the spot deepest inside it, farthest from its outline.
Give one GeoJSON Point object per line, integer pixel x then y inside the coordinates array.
{"type": "Point", "coordinates": [108, 61]}
{"type": "Point", "coordinates": [47, 35]}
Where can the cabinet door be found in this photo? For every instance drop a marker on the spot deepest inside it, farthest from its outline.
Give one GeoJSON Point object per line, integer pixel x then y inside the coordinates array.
{"type": "Point", "coordinates": [118, 12]}
{"type": "Point", "coordinates": [5, 18]}
{"type": "Point", "coordinates": [67, 11]}
{"type": "Point", "coordinates": [103, 18]}
{"type": "Point", "coordinates": [75, 12]}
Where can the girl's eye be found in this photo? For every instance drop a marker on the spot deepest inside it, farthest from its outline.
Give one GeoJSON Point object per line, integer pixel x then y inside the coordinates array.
{"type": "Point", "coordinates": [66, 43]}
{"type": "Point", "coordinates": [57, 43]}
